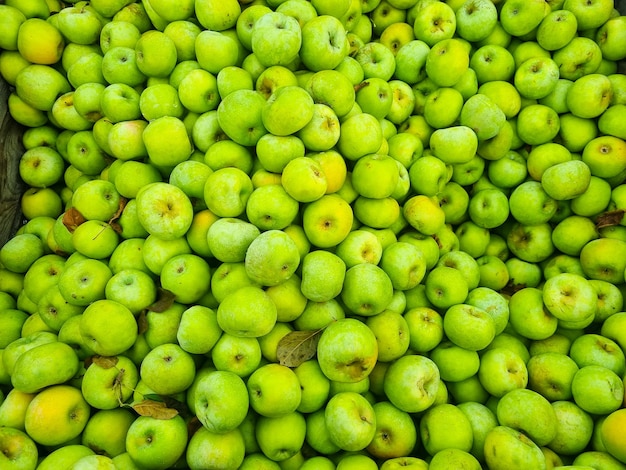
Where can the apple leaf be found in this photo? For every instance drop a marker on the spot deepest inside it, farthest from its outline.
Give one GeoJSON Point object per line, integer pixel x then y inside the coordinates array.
{"type": "Point", "coordinates": [297, 347]}
{"type": "Point", "coordinates": [113, 222]}
{"type": "Point", "coordinates": [165, 301]}
{"type": "Point", "coordinates": [610, 218]}
{"type": "Point", "coordinates": [106, 362]}
{"type": "Point", "coordinates": [72, 218]}
{"type": "Point", "coordinates": [142, 322]}
{"type": "Point", "coordinates": [154, 409]}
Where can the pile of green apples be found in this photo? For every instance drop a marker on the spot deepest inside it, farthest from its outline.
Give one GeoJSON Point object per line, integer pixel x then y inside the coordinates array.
{"type": "Point", "coordinates": [325, 234]}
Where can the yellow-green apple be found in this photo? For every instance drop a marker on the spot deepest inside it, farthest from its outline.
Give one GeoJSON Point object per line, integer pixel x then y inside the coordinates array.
{"type": "Point", "coordinates": [519, 448]}
{"type": "Point", "coordinates": [262, 264]}
{"type": "Point", "coordinates": [589, 96]}
{"type": "Point", "coordinates": [327, 221]}
{"type": "Point", "coordinates": [455, 363]}
{"type": "Point", "coordinates": [437, 434]}
{"type": "Point", "coordinates": [492, 62]}
{"type": "Point", "coordinates": [33, 369]}
{"type": "Point", "coordinates": [528, 412]}
{"type": "Point", "coordinates": [56, 415]}
{"type": "Point", "coordinates": [350, 420]}
{"type": "Point", "coordinates": [536, 77]}
{"type": "Point", "coordinates": [209, 449]}
{"type": "Point", "coordinates": [371, 300]}
{"type": "Point", "coordinates": [333, 89]}
{"type": "Point", "coordinates": [281, 437]}
{"type": "Point", "coordinates": [274, 390]}
{"type": "Point", "coordinates": [115, 338]}
{"type": "Point", "coordinates": [217, 16]}
{"type": "Point", "coordinates": [198, 91]}
{"type": "Point", "coordinates": [469, 326]}
{"type": "Point", "coordinates": [270, 207]}
{"type": "Point", "coordinates": [79, 25]}
{"type": "Point", "coordinates": [450, 55]}
{"type": "Point", "coordinates": [215, 50]}
{"type": "Point", "coordinates": [18, 449]}
{"type": "Point", "coordinates": [610, 38]}
{"type": "Point", "coordinates": [602, 259]}
{"type": "Point", "coordinates": [446, 286]}
{"type": "Point", "coordinates": [550, 374]}
{"type": "Point", "coordinates": [525, 304]}
{"type": "Point", "coordinates": [557, 29]}
{"type": "Point", "coordinates": [537, 124]}
{"type": "Point", "coordinates": [502, 370]}
{"type": "Point", "coordinates": [455, 144]}
{"type": "Point", "coordinates": [610, 436]}
{"type": "Point", "coordinates": [64, 455]}
{"type": "Point", "coordinates": [39, 41]}
{"type": "Point", "coordinates": [39, 86]}
{"type": "Point", "coordinates": [304, 179]}
{"type": "Point", "coordinates": [323, 275]}
{"type": "Point", "coordinates": [20, 252]}
{"type": "Point", "coordinates": [436, 22]}
{"type": "Point", "coordinates": [361, 134]}
{"type": "Point", "coordinates": [198, 330]}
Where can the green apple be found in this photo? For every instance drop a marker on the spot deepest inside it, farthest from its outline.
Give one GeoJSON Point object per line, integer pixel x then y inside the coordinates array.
{"type": "Point", "coordinates": [236, 105]}
{"type": "Point", "coordinates": [327, 221]}
{"type": "Point", "coordinates": [323, 275]}
{"type": "Point", "coordinates": [536, 78]}
{"type": "Point", "coordinates": [324, 43]}
{"type": "Point", "coordinates": [119, 66]}
{"type": "Point", "coordinates": [350, 420]}
{"type": "Point", "coordinates": [19, 450]}
{"type": "Point", "coordinates": [443, 107]}
{"type": "Point", "coordinates": [492, 62]}
{"type": "Point", "coordinates": [167, 141]}
{"type": "Point", "coordinates": [107, 388]}
{"type": "Point", "coordinates": [347, 350]}
{"type": "Point", "coordinates": [396, 433]}
{"type": "Point", "coordinates": [247, 311]}
{"type": "Point", "coordinates": [237, 354]}
{"type": "Point", "coordinates": [360, 135]}
{"type": "Point", "coordinates": [543, 156]}
{"type": "Point", "coordinates": [167, 369]}
{"type": "Point", "coordinates": [557, 29]}
{"type": "Point", "coordinates": [370, 300]}
{"type": "Point", "coordinates": [156, 443]}
{"type": "Point", "coordinates": [262, 264]}
{"type": "Point", "coordinates": [528, 412]}
{"type": "Point", "coordinates": [304, 179]}
{"type": "Point", "coordinates": [589, 15]}
{"type": "Point", "coordinates": [187, 277]}
{"type": "Point", "coordinates": [597, 389]}
{"type": "Point", "coordinates": [410, 61]}
{"type": "Point", "coordinates": [537, 124]}
{"type": "Point", "coordinates": [118, 33]}
{"type": "Point", "coordinates": [411, 383]}
{"type": "Point", "coordinates": [609, 37]}
{"type": "Point", "coordinates": [84, 281]}
{"type": "Point", "coordinates": [569, 297]}
{"type": "Point", "coordinates": [589, 96]}
{"type": "Point", "coordinates": [276, 39]}
{"type": "Point", "coordinates": [611, 439]}
{"type": "Point", "coordinates": [281, 437]}
{"type": "Point", "coordinates": [164, 210]}
{"type": "Point", "coordinates": [119, 102]}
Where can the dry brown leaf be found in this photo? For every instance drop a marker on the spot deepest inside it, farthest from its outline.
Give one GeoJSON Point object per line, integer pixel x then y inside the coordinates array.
{"type": "Point", "coordinates": [142, 322]}
{"type": "Point", "coordinates": [106, 362]}
{"type": "Point", "coordinates": [164, 302]}
{"type": "Point", "coordinates": [154, 409]}
{"type": "Point", "coordinates": [113, 222]}
{"type": "Point", "coordinates": [297, 347]}
{"type": "Point", "coordinates": [72, 218]}
{"type": "Point", "coordinates": [610, 218]}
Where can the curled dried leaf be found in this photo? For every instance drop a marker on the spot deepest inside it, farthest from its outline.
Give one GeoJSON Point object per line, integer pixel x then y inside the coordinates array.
{"type": "Point", "coordinates": [610, 218]}
{"type": "Point", "coordinates": [164, 302]}
{"type": "Point", "coordinates": [297, 347]}
{"type": "Point", "coordinates": [154, 409]}
{"type": "Point", "coordinates": [72, 218]}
